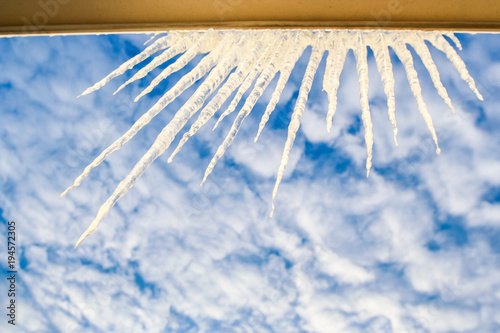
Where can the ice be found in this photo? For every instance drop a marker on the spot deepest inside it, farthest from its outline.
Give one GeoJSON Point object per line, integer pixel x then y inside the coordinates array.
{"type": "Point", "coordinates": [406, 58]}
{"type": "Point", "coordinates": [360, 52]}
{"type": "Point", "coordinates": [190, 44]}
{"type": "Point", "coordinates": [205, 65]}
{"type": "Point", "coordinates": [262, 82]}
{"type": "Point", "coordinates": [335, 64]}
{"type": "Point", "coordinates": [424, 53]}
{"type": "Point", "coordinates": [238, 59]}
{"type": "Point", "coordinates": [261, 63]}
{"type": "Point", "coordinates": [291, 58]}
{"type": "Point", "coordinates": [384, 66]}
{"type": "Point", "coordinates": [442, 44]}
{"type": "Point", "coordinates": [234, 80]}
{"type": "Point", "coordinates": [161, 43]}
{"type": "Point", "coordinates": [167, 135]}
{"type": "Point", "coordinates": [300, 105]}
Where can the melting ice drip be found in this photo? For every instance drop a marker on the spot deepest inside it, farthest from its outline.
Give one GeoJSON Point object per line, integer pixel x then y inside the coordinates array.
{"type": "Point", "coordinates": [245, 57]}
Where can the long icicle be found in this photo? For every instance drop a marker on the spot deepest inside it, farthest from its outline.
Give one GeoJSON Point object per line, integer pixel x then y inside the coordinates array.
{"type": "Point", "coordinates": [260, 86]}
{"type": "Point", "coordinates": [454, 38]}
{"type": "Point", "coordinates": [159, 44]}
{"type": "Point", "coordinates": [234, 80]}
{"type": "Point", "coordinates": [329, 61]}
{"type": "Point", "coordinates": [424, 54]}
{"type": "Point", "coordinates": [339, 54]}
{"type": "Point", "coordinates": [406, 58]}
{"type": "Point", "coordinates": [384, 65]}
{"type": "Point", "coordinates": [247, 83]}
{"type": "Point", "coordinates": [191, 45]}
{"type": "Point", "coordinates": [300, 105]}
{"type": "Point", "coordinates": [361, 54]}
{"type": "Point", "coordinates": [205, 65]}
{"type": "Point", "coordinates": [152, 38]}
{"type": "Point", "coordinates": [442, 44]}
{"type": "Point", "coordinates": [285, 72]}
{"type": "Point", "coordinates": [167, 135]}
{"type": "Point", "coordinates": [181, 62]}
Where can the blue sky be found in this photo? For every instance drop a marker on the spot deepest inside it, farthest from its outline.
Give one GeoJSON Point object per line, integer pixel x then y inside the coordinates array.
{"type": "Point", "coordinates": [413, 248]}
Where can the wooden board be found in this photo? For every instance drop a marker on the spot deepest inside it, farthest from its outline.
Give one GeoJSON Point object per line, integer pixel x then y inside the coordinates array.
{"type": "Point", "coordinates": [95, 16]}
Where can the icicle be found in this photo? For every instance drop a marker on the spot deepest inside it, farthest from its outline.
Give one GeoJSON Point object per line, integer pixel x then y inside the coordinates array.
{"type": "Point", "coordinates": [151, 39]}
{"type": "Point", "coordinates": [212, 58]}
{"type": "Point", "coordinates": [234, 80]}
{"type": "Point", "coordinates": [191, 45]}
{"type": "Point", "coordinates": [329, 42]}
{"type": "Point", "coordinates": [285, 72]}
{"type": "Point", "coordinates": [205, 65]}
{"type": "Point", "coordinates": [332, 79]}
{"type": "Point", "coordinates": [361, 55]}
{"type": "Point", "coordinates": [384, 65]}
{"type": "Point", "coordinates": [300, 104]}
{"type": "Point", "coordinates": [454, 38]}
{"type": "Point", "coordinates": [260, 86]}
{"type": "Point", "coordinates": [208, 39]}
{"type": "Point", "coordinates": [258, 56]}
{"type": "Point", "coordinates": [424, 53]}
{"type": "Point", "coordinates": [247, 83]}
{"type": "Point", "coordinates": [160, 44]}
{"type": "Point", "coordinates": [168, 134]}
{"type": "Point", "coordinates": [406, 58]}
{"type": "Point", "coordinates": [442, 45]}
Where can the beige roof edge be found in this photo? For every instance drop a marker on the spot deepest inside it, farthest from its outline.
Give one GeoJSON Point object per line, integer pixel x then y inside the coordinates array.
{"type": "Point", "coordinates": [42, 17]}
{"type": "Point", "coordinates": [152, 28]}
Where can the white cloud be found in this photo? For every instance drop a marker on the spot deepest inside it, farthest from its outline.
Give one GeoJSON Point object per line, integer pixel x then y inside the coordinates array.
{"type": "Point", "coordinates": [343, 254]}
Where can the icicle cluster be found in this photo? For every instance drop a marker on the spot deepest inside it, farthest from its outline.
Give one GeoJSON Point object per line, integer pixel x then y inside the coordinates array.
{"type": "Point", "coordinates": [245, 57]}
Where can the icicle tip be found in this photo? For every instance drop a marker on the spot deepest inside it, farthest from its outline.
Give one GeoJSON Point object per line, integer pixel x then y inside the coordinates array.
{"type": "Point", "coordinates": [272, 210]}
{"type": "Point", "coordinates": [83, 237]}
{"type": "Point", "coordinates": [257, 136]}
{"type": "Point", "coordinates": [328, 126]}
{"type": "Point", "coordinates": [120, 88]}
{"type": "Point", "coordinates": [67, 190]}
{"type": "Point", "coordinates": [86, 92]}
{"type": "Point", "coordinates": [216, 124]}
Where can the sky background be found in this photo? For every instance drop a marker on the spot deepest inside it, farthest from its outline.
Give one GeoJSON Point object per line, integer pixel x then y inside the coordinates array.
{"type": "Point", "coordinates": [413, 248]}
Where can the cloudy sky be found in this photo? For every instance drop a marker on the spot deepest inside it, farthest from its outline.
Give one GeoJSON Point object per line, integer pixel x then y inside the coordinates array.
{"type": "Point", "coordinates": [413, 248]}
